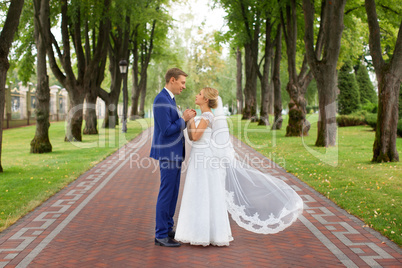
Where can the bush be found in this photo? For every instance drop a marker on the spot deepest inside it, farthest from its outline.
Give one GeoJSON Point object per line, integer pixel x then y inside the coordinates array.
{"type": "Point", "coordinates": [366, 88]}
{"type": "Point", "coordinates": [371, 120]}
{"type": "Point", "coordinates": [350, 120]}
{"type": "Point", "coordinates": [311, 109]}
{"type": "Point", "coordinates": [370, 107]}
{"type": "Point", "coordinates": [349, 96]}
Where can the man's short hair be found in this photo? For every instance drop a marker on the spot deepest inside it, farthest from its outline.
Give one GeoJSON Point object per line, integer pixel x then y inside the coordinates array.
{"type": "Point", "coordinates": [174, 72]}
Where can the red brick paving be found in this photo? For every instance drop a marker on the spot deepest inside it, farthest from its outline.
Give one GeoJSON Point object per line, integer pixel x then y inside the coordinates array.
{"type": "Point", "coordinates": [109, 222]}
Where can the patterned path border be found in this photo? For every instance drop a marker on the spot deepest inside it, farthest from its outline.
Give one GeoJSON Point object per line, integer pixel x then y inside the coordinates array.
{"type": "Point", "coordinates": [335, 237]}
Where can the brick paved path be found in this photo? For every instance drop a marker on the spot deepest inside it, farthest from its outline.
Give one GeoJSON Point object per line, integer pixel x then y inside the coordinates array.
{"type": "Point", "coordinates": [106, 219]}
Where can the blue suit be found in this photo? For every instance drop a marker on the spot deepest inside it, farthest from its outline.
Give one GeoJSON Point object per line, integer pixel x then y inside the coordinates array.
{"type": "Point", "coordinates": [167, 147]}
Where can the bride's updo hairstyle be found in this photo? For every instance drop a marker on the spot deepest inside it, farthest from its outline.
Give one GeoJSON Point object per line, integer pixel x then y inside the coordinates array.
{"type": "Point", "coordinates": [212, 95]}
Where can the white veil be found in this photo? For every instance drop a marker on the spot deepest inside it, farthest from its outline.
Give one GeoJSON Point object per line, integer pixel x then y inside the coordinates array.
{"type": "Point", "coordinates": [256, 201]}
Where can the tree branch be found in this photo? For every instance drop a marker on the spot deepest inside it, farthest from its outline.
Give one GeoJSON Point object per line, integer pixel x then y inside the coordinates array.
{"type": "Point", "coordinates": [10, 26]}
{"type": "Point", "coordinates": [396, 61]}
{"type": "Point", "coordinates": [308, 9]}
{"type": "Point", "coordinates": [246, 23]}
{"type": "Point", "coordinates": [353, 9]}
{"type": "Point", "coordinates": [390, 9]}
{"type": "Point", "coordinates": [66, 41]}
{"type": "Point", "coordinates": [374, 36]}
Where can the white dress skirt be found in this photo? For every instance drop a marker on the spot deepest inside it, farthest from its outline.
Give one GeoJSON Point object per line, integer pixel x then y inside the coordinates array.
{"type": "Point", "coordinates": [203, 217]}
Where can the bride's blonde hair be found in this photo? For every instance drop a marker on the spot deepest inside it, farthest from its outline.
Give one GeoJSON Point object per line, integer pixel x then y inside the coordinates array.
{"type": "Point", "coordinates": [212, 95]}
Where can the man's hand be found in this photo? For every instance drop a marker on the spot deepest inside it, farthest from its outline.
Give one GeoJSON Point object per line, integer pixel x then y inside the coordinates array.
{"type": "Point", "coordinates": [188, 114]}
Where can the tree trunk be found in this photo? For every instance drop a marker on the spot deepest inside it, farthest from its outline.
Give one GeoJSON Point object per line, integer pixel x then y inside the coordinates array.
{"type": "Point", "coordinates": [389, 76]}
{"type": "Point", "coordinates": [297, 85]}
{"type": "Point", "coordinates": [41, 142]}
{"type": "Point", "coordinates": [276, 77]}
{"type": "Point", "coordinates": [143, 87]}
{"type": "Point", "coordinates": [110, 120]}
{"type": "Point", "coordinates": [4, 65]}
{"type": "Point", "coordinates": [135, 96]}
{"type": "Point", "coordinates": [328, 40]}
{"type": "Point", "coordinates": [239, 86]}
{"type": "Point", "coordinates": [91, 120]}
{"type": "Point", "coordinates": [7, 33]}
{"type": "Point", "coordinates": [74, 117]}
{"type": "Point", "coordinates": [384, 149]}
{"type": "Point", "coordinates": [326, 84]}
{"type": "Point", "coordinates": [264, 115]}
{"type": "Point", "coordinates": [271, 87]}
{"type": "Point", "coordinates": [265, 77]}
{"type": "Point", "coordinates": [250, 90]}
{"type": "Point", "coordinates": [297, 125]}
{"type": "Point", "coordinates": [136, 91]}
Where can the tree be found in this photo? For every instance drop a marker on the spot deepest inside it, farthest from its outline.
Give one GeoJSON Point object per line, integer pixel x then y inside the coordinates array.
{"type": "Point", "coordinates": [349, 97]}
{"type": "Point", "coordinates": [400, 103]}
{"type": "Point", "coordinates": [90, 58]}
{"type": "Point", "coordinates": [6, 39]}
{"type": "Point", "coordinates": [41, 142]}
{"type": "Point", "coordinates": [244, 20]}
{"type": "Point", "coordinates": [366, 88]}
{"type": "Point", "coordinates": [277, 80]}
{"type": "Point", "coordinates": [142, 51]}
{"type": "Point", "coordinates": [265, 75]}
{"type": "Point", "coordinates": [324, 68]}
{"type": "Point", "coordinates": [147, 35]}
{"type": "Point", "coordinates": [93, 21]}
{"type": "Point", "coordinates": [239, 81]}
{"type": "Point", "coordinates": [389, 76]}
{"type": "Point", "coordinates": [121, 12]}
{"type": "Point", "coordinates": [298, 82]}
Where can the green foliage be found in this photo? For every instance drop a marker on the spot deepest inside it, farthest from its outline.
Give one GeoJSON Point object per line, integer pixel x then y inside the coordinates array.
{"type": "Point", "coordinates": [399, 128]}
{"type": "Point", "coordinates": [366, 88]}
{"type": "Point", "coordinates": [348, 99]}
{"type": "Point", "coordinates": [355, 34]}
{"type": "Point", "coordinates": [370, 107]}
{"type": "Point", "coordinates": [312, 95]}
{"type": "Point", "coordinates": [371, 120]}
{"type": "Point", "coordinates": [389, 14]}
{"type": "Point", "coordinates": [350, 120]}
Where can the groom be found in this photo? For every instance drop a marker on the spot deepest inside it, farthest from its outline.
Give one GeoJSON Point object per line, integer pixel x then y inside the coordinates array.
{"type": "Point", "coordinates": [168, 147]}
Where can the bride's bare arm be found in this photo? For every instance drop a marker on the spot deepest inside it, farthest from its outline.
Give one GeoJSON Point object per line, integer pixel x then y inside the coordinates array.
{"type": "Point", "coordinates": [195, 133]}
{"type": "Point", "coordinates": [189, 129]}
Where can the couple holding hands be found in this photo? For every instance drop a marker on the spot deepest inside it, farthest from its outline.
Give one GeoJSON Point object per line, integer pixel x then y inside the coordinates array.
{"type": "Point", "coordinates": [216, 182]}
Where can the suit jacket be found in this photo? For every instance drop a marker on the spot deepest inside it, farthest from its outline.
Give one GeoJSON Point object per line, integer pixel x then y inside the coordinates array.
{"type": "Point", "coordinates": [168, 140]}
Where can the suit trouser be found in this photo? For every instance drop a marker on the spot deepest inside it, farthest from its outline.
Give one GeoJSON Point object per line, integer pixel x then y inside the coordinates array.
{"type": "Point", "coordinates": [167, 197]}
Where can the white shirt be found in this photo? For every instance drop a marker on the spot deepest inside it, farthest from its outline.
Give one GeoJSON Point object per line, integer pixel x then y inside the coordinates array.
{"type": "Point", "coordinates": [170, 93]}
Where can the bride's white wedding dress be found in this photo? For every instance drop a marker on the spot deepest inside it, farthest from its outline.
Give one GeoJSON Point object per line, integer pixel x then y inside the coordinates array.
{"type": "Point", "coordinates": [216, 182]}
{"type": "Point", "coordinates": [203, 217]}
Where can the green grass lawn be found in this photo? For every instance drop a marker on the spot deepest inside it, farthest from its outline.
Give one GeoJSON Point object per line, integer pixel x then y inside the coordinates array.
{"type": "Point", "coordinates": [344, 174]}
{"type": "Point", "coordinates": [29, 179]}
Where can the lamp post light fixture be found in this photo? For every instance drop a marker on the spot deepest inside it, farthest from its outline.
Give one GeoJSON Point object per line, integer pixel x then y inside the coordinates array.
{"type": "Point", "coordinates": [123, 65]}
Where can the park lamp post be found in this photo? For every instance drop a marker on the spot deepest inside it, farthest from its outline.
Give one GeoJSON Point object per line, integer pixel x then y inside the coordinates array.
{"type": "Point", "coordinates": [123, 65]}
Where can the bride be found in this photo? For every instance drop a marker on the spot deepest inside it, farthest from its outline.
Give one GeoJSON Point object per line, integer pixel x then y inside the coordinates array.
{"type": "Point", "coordinates": [216, 182]}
